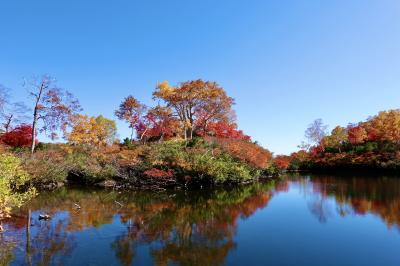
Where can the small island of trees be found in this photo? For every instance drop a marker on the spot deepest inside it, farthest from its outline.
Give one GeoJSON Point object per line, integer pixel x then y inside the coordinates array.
{"type": "Point", "coordinates": [189, 139]}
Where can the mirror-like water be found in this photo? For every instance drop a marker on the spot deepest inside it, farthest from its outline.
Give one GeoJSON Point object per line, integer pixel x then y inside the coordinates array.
{"type": "Point", "coordinates": [300, 220]}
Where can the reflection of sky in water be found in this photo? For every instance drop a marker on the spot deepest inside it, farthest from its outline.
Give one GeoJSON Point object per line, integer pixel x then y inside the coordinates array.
{"type": "Point", "coordinates": [303, 221]}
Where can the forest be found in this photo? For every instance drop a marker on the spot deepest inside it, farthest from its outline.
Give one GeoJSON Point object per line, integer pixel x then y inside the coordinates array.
{"type": "Point", "coordinates": [189, 139]}
{"type": "Point", "coordinates": [372, 145]}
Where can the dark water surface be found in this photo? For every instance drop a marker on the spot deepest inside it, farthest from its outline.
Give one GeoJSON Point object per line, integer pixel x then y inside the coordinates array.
{"type": "Point", "coordinates": [300, 220]}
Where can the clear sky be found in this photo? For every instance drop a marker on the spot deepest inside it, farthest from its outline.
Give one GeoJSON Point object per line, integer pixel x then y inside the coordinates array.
{"type": "Point", "coordinates": [285, 62]}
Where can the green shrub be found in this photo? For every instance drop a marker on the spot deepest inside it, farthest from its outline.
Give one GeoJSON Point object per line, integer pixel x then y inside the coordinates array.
{"type": "Point", "coordinates": [90, 167]}
{"type": "Point", "coordinates": [222, 168]}
{"type": "Point", "coordinates": [14, 190]}
{"type": "Point", "coordinates": [46, 167]}
{"type": "Point", "coordinates": [128, 144]}
{"type": "Point", "coordinates": [197, 162]}
{"type": "Point", "coordinates": [371, 146]}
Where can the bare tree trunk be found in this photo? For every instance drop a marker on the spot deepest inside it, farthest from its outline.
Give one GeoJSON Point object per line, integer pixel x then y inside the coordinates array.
{"type": "Point", "coordinates": [142, 135]}
{"type": "Point", "coordinates": [161, 138]}
{"type": "Point", "coordinates": [191, 126]}
{"type": "Point", "coordinates": [185, 132]}
{"type": "Point", "coordinates": [133, 131]}
{"type": "Point", "coordinates": [7, 124]}
{"type": "Point", "coordinates": [35, 116]}
{"type": "Point", "coordinates": [33, 144]}
{"type": "Point", "coordinates": [188, 133]}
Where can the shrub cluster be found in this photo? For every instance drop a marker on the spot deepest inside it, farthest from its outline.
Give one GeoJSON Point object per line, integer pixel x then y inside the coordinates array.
{"type": "Point", "coordinates": [202, 161]}
{"type": "Point", "coordinates": [14, 188]}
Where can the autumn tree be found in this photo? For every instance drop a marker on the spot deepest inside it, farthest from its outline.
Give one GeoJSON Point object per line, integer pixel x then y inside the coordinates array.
{"type": "Point", "coordinates": [385, 126]}
{"type": "Point", "coordinates": [246, 151]}
{"type": "Point", "coordinates": [159, 122]}
{"type": "Point", "coordinates": [94, 131]}
{"type": "Point", "coordinates": [106, 130]}
{"type": "Point", "coordinates": [357, 134]}
{"type": "Point", "coordinates": [195, 100]}
{"type": "Point", "coordinates": [337, 138]}
{"type": "Point", "coordinates": [131, 111]}
{"type": "Point", "coordinates": [224, 130]}
{"type": "Point", "coordinates": [316, 131]}
{"type": "Point", "coordinates": [53, 108]}
{"type": "Point", "coordinates": [282, 162]}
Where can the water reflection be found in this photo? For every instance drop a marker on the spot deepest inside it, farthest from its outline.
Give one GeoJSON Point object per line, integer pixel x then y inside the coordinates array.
{"type": "Point", "coordinates": [191, 227]}
{"type": "Point", "coordinates": [355, 196]}
{"type": "Point", "coordinates": [187, 228]}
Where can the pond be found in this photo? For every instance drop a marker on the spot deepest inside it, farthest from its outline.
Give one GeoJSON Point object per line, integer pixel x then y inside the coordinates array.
{"type": "Point", "coordinates": [299, 220]}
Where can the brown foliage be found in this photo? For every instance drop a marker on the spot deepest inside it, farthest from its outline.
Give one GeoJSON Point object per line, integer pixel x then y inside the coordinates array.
{"type": "Point", "coordinates": [246, 151]}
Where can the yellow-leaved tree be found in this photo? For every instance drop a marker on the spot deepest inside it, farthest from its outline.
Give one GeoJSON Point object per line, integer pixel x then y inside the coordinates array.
{"type": "Point", "coordinates": [93, 131]}
{"type": "Point", "coordinates": [14, 185]}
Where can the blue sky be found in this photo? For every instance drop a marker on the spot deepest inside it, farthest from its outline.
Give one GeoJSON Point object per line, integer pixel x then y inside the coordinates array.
{"type": "Point", "coordinates": [285, 62]}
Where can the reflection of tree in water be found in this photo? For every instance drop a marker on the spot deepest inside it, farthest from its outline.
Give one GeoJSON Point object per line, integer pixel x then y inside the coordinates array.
{"type": "Point", "coordinates": [50, 243]}
{"type": "Point", "coordinates": [193, 253]}
{"type": "Point", "coordinates": [124, 249]}
{"type": "Point", "coordinates": [355, 195]}
{"type": "Point", "coordinates": [187, 227]}
{"type": "Point", "coordinates": [320, 209]}
{"type": "Point", "coordinates": [191, 227]}
{"type": "Point", "coordinates": [43, 243]}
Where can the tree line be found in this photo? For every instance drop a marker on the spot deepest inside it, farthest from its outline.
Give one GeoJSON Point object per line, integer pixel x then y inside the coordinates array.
{"type": "Point", "coordinates": [191, 108]}
{"type": "Point", "coordinates": [370, 144]}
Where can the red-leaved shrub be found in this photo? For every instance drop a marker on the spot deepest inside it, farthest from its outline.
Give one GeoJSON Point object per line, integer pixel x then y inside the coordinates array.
{"type": "Point", "coordinates": [20, 136]}
{"type": "Point", "coordinates": [246, 151]}
{"type": "Point", "coordinates": [157, 173]}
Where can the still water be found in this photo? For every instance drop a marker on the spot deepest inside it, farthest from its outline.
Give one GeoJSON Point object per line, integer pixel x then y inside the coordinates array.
{"type": "Point", "coordinates": [300, 220]}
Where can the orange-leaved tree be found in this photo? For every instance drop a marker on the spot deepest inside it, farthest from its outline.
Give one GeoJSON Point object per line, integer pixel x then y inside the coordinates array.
{"type": "Point", "coordinates": [196, 100]}
{"type": "Point", "coordinates": [131, 110]}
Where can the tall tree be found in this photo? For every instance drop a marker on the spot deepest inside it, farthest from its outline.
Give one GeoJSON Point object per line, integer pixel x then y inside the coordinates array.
{"type": "Point", "coordinates": [357, 134]}
{"type": "Point", "coordinates": [53, 107]}
{"type": "Point", "coordinates": [107, 130]}
{"type": "Point", "coordinates": [316, 131]}
{"type": "Point", "coordinates": [130, 110]}
{"type": "Point", "coordinates": [194, 100]}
